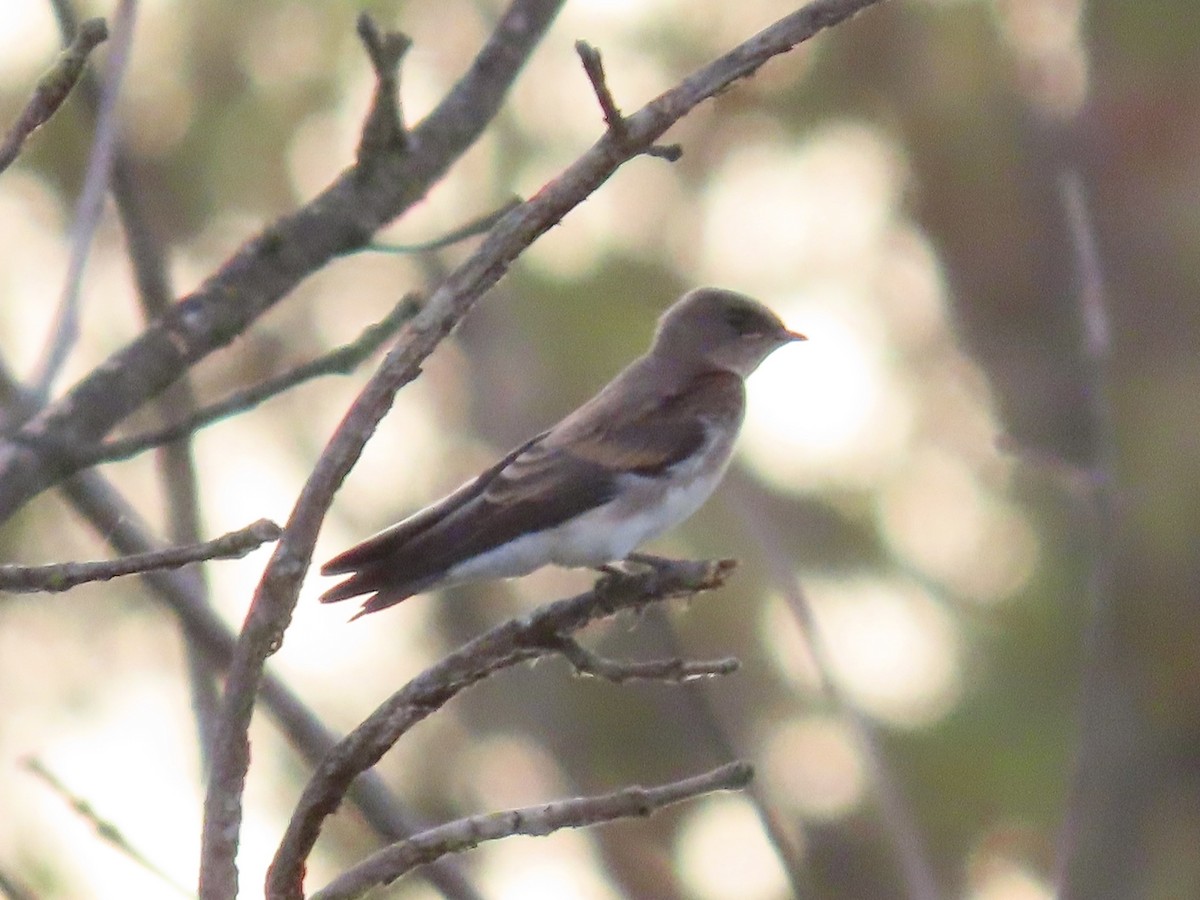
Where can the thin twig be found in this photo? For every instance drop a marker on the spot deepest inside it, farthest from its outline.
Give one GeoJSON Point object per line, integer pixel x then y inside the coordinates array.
{"type": "Point", "coordinates": [392, 862]}
{"type": "Point", "coordinates": [383, 133]}
{"type": "Point", "coordinates": [59, 577]}
{"type": "Point", "coordinates": [707, 720]}
{"type": "Point", "coordinates": [518, 640]}
{"type": "Point", "coordinates": [676, 671]}
{"type": "Point", "coordinates": [175, 460]}
{"type": "Point", "coordinates": [342, 361]}
{"type": "Point", "coordinates": [593, 67]}
{"type": "Point", "coordinates": [105, 829]}
{"type": "Point", "coordinates": [1102, 690]}
{"type": "Point", "coordinates": [918, 876]}
{"type": "Point", "coordinates": [1091, 299]}
{"type": "Point", "coordinates": [275, 597]}
{"type": "Point", "coordinates": [474, 228]}
{"type": "Point", "coordinates": [65, 330]}
{"type": "Point", "coordinates": [52, 89]}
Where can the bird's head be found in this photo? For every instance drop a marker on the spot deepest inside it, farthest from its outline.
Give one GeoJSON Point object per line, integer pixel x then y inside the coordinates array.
{"type": "Point", "coordinates": [720, 329]}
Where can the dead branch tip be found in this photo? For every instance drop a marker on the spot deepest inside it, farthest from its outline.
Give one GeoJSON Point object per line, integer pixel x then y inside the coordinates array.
{"type": "Point", "coordinates": [384, 48]}
{"type": "Point", "coordinates": [593, 66]}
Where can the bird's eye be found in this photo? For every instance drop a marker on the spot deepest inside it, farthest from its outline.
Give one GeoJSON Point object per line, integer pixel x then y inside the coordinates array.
{"type": "Point", "coordinates": [744, 321]}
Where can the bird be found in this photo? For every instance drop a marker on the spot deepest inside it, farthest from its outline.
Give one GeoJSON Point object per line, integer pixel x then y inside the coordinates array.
{"type": "Point", "coordinates": [636, 459]}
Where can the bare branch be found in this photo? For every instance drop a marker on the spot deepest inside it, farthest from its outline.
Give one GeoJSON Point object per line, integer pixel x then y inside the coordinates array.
{"type": "Point", "coordinates": [383, 133]}
{"type": "Point", "coordinates": [341, 219]}
{"type": "Point", "coordinates": [517, 640]}
{"type": "Point", "coordinates": [275, 597]}
{"type": "Point", "coordinates": [342, 361]}
{"type": "Point", "coordinates": [479, 226]}
{"type": "Point", "coordinates": [52, 89]}
{"type": "Point", "coordinates": [392, 862]}
{"type": "Point", "coordinates": [447, 131]}
{"type": "Point", "coordinates": [1092, 302]}
{"type": "Point", "coordinates": [675, 670]}
{"type": "Point", "coordinates": [65, 330]}
{"type": "Point", "coordinates": [593, 67]}
{"type": "Point", "coordinates": [1103, 692]}
{"type": "Point", "coordinates": [709, 722]}
{"type": "Point", "coordinates": [64, 576]}
{"type": "Point", "coordinates": [105, 829]}
{"type": "Point", "coordinates": [918, 880]}
{"type": "Point", "coordinates": [175, 460]}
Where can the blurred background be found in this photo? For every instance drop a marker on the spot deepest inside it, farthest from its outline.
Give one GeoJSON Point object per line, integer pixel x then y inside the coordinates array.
{"type": "Point", "coordinates": [941, 477]}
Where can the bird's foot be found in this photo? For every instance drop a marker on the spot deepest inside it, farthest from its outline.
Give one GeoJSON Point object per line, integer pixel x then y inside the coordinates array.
{"type": "Point", "coordinates": [633, 564]}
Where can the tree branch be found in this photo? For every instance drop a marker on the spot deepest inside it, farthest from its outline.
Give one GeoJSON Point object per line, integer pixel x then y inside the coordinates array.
{"type": "Point", "coordinates": [917, 880]}
{"type": "Point", "coordinates": [341, 219]}
{"type": "Point", "coordinates": [474, 228]}
{"type": "Point", "coordinates": [518, 640]}
{"type": "Point", "coordinates": [342, 361]}
{"type": "Point", "coordinates": [392, 862]}
{"type": "Point", "coordinates": [275, 597]}
{"type": "Point", "coordinates": [1102, 744]}
{"type": "Point", "coordinates": [676, 670]}
{"type": "Point", "coordinates": [383, 134]}
{"type": "Point", "coordinates": [65, 330]}
{"type": "Point", "coordinates": [64, 576]}
{"type": "Point", "coordinates": [593, 67]}
{"type": "Point", "coordinates": [52, 89]}
{"type": "Point", "coordinates": [176, 464]}
{"type": "Point", "coordinates": [106, 830]}
{"type": "Point", "coordinates": [360, 201]}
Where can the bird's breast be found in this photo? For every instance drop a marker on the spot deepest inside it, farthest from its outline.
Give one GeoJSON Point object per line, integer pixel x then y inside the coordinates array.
{"type": "Point", "coordinates": [643, 508]}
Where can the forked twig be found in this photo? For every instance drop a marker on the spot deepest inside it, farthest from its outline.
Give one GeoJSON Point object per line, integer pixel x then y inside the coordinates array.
{"type": "Point", "coordinates": [104, 828]}
{"type": "Point", "coordinates": [383, 133]}
{"type": "Point", "coordinates": [593, 66]}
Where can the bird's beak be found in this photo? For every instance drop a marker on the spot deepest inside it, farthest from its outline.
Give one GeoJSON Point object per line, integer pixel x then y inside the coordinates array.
{"type": "Point", "coordinates": [790, 336]}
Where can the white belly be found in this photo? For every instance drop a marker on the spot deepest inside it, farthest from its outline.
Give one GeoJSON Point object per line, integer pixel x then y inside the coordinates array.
{"type": "Point", "coordinates": [642, 510]}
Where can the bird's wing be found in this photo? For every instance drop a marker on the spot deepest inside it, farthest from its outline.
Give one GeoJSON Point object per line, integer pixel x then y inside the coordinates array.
{"type": "Point", "coordinates": [405, 530]}
{"type": "Point", "coordinates": [548, 480]}
{"type": "Point", "coordinates": [662, 433]}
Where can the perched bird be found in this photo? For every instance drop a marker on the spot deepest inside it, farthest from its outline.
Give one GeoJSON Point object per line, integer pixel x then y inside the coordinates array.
{"type": "Point", "coordinates": [639, 457]}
